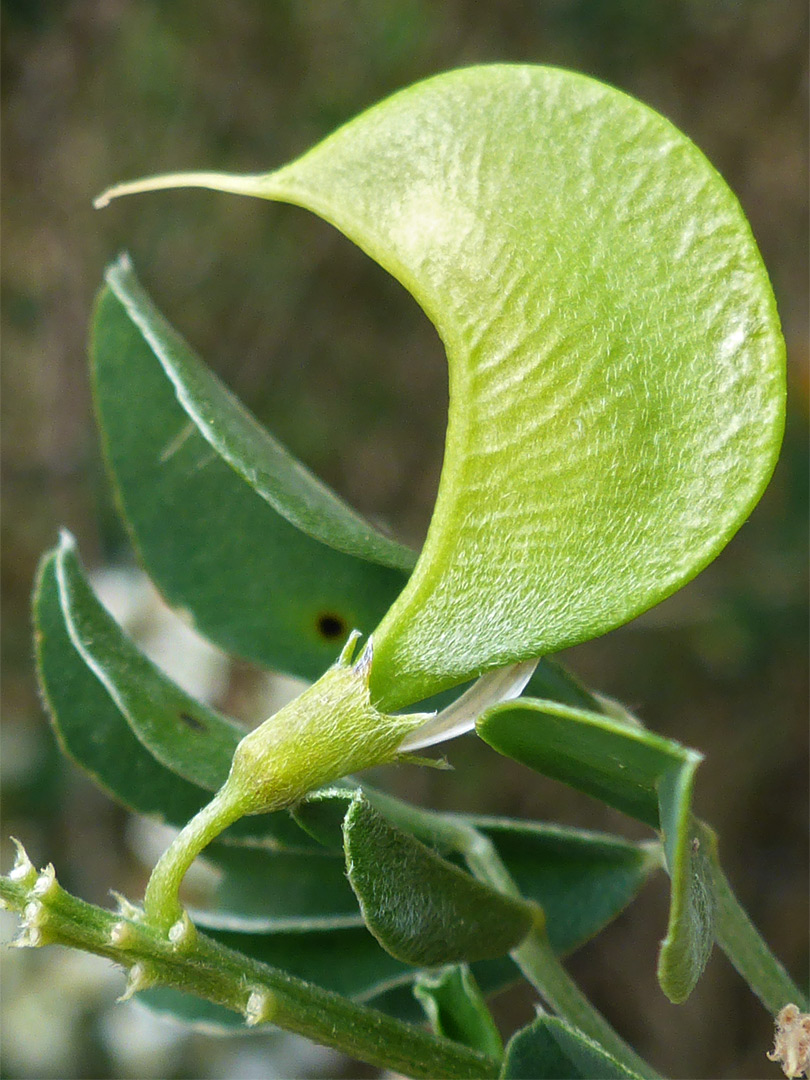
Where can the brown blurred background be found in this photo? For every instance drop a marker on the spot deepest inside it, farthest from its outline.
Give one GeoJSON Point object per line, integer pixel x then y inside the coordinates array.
{"type": "Point", "coordinates": [342, 365]}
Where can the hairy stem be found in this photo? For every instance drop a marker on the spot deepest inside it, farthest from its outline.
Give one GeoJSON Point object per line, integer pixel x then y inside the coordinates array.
{"type": "Point", "coordinates": [263, 994]}
{"type": "Point", "coordinates": [161, 904]}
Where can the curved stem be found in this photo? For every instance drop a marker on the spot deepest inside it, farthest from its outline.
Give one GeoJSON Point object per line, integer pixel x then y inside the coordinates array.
{"type": "Point", "coordinates": [161, 904]}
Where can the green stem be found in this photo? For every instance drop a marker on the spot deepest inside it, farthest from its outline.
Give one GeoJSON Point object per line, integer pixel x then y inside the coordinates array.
{"type": "Point", "coordinates": [741, 942]}
{"type": "Point", "coordinates": [534, 956]}
{"type": "Point", "coordinates": [201, 966]}
{"type": "Point", "coordinates": [161, 904]}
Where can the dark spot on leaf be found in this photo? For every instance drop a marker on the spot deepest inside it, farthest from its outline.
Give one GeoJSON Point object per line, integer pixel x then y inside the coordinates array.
{"type": "Point", "coordinates": [331, 626]}
{"type": "Point", "coordinates": [192, 721]}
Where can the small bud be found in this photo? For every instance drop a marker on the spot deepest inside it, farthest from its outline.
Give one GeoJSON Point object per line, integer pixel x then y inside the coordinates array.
{"type": "Point", "coordinates": [46, 882]}
{"type": "Point", "coordinates": [23, 870]}
{"type": "Point", "coordinates": [138, 978]}
{"type": "Point", "coordinates": [259, 1008]}
{"type": "Point", "coordinates": [122, 935]}
{"type": "Point", "coordinates": [182, 933]}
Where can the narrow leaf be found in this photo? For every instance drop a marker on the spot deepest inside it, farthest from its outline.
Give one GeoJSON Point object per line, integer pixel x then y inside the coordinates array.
{"type": "Point", "coordinates": [287, 485]}
{"type": "Point", "coordinates": [612, 761]}
{"type": "Point", "coordinates": [421, 908]}
{"type": "Point", "coordinates": [643, 775]}
{"type": "Point", "coordinates": [188, 737]}
{"type": "Point", "coordinates": [456, 1009]}
{"type": "Point", "coordinates": [252, 582]}
{"type": "Point", "coordinates": [93, 732]}
{"type": "Point", "coordinates": [616, 363]}
{"type": "Point", "coordinates": [90, 728]}
{"type": "Point", "coordinates": [550, 1049]}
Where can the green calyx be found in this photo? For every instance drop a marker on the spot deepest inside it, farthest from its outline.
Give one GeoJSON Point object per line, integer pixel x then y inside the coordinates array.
{"type": "Point", "coordinates": [330, 730]}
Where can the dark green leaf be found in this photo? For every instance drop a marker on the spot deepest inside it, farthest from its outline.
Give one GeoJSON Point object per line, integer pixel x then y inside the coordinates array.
{"type": "Point", "coordinates": [347, 960]}
{"type": "Point", "coordinates": [456, 1009]}
{"type": "Point", "coordinates": [270, 890]}
{"type": "Point", "coordinates": [552, 682]}
{"type": "Point", "coordinates": [581, 879]}
{"type": "Point", "coordinates": [321, 814]}
{"type": "Point", "coordinates": [202, 1015]}
{"type": "Point", "coordinates": [550, 1049]}
{"type": "Point", "coordinates": [183, 734]}
{"type": "Point", "coordinates": [642, 774]}
{"type": "Point", "coordinates": [251, 581]}
{"type": "Point", "coordinates": [287, 485]}
{"type": "Point", "coordinates": [89, 727]}
{"type": "Point", "coordinates": [419, 907]}
{"type": "Point", "coordinates": [619, 764]}
{"type": "Point", "coordinates": [93, 732]}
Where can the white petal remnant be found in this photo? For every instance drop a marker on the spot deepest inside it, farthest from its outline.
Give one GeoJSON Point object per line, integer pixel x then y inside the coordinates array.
{"type": "Point", "coordinates": [259, 1008]}
{"type": "Point", "coordinates": [791, 1047]}
{"type": "Point", "coordinates": [30, 937]}
{"type": "Point", "coordinates": [34, 919]}
{"type": "Point", "coordinates": [491, 689]}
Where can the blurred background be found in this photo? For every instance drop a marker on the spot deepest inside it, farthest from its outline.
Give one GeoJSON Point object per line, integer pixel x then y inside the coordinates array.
{"type": "Point", "coordinates": [343, 367]}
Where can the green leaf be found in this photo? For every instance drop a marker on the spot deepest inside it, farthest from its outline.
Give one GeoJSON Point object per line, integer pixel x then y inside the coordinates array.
{"type": "Point", "coordinates": [456, 1009]}
{"type": "Point", "coordinates": [421, 908]}
{"type": "Point", "coordinates": [199, 1014]}
{"type": "Point", "coordinates": [267, 466]}
{"type": "Point", "coordinates": [582, 880]}
{"type": "Point", "coordinates": [89, 727]}
{"type": "Point", "coordinates": [552, 682]}
{"type": "Point", "coordinates": [264, 891]}
{"type": "Point", "coordinates": [616, 363]}
{"type": "Point", "coordinates": [643, 775]}
{"type": "Point", "coordinates": [398, 1000]}
{"type": "Point", "coordinates": [94, 733]}
{"type": "Point", "coordinates": [183, 734]}
{"type": "Point", "coordinates": [550, 1049]}
{"type": "Point", "coordinates": [252, 582]}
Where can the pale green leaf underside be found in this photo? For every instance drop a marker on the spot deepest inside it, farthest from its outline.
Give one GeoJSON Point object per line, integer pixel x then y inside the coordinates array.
{"type": "Point", "coordinates": [616, 364]}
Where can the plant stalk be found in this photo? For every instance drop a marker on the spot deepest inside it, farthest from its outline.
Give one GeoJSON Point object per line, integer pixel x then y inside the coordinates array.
{"type": "Point", "coordinates": [744, 946]}
{"type": "Point", "coordinates": [201, 966]}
